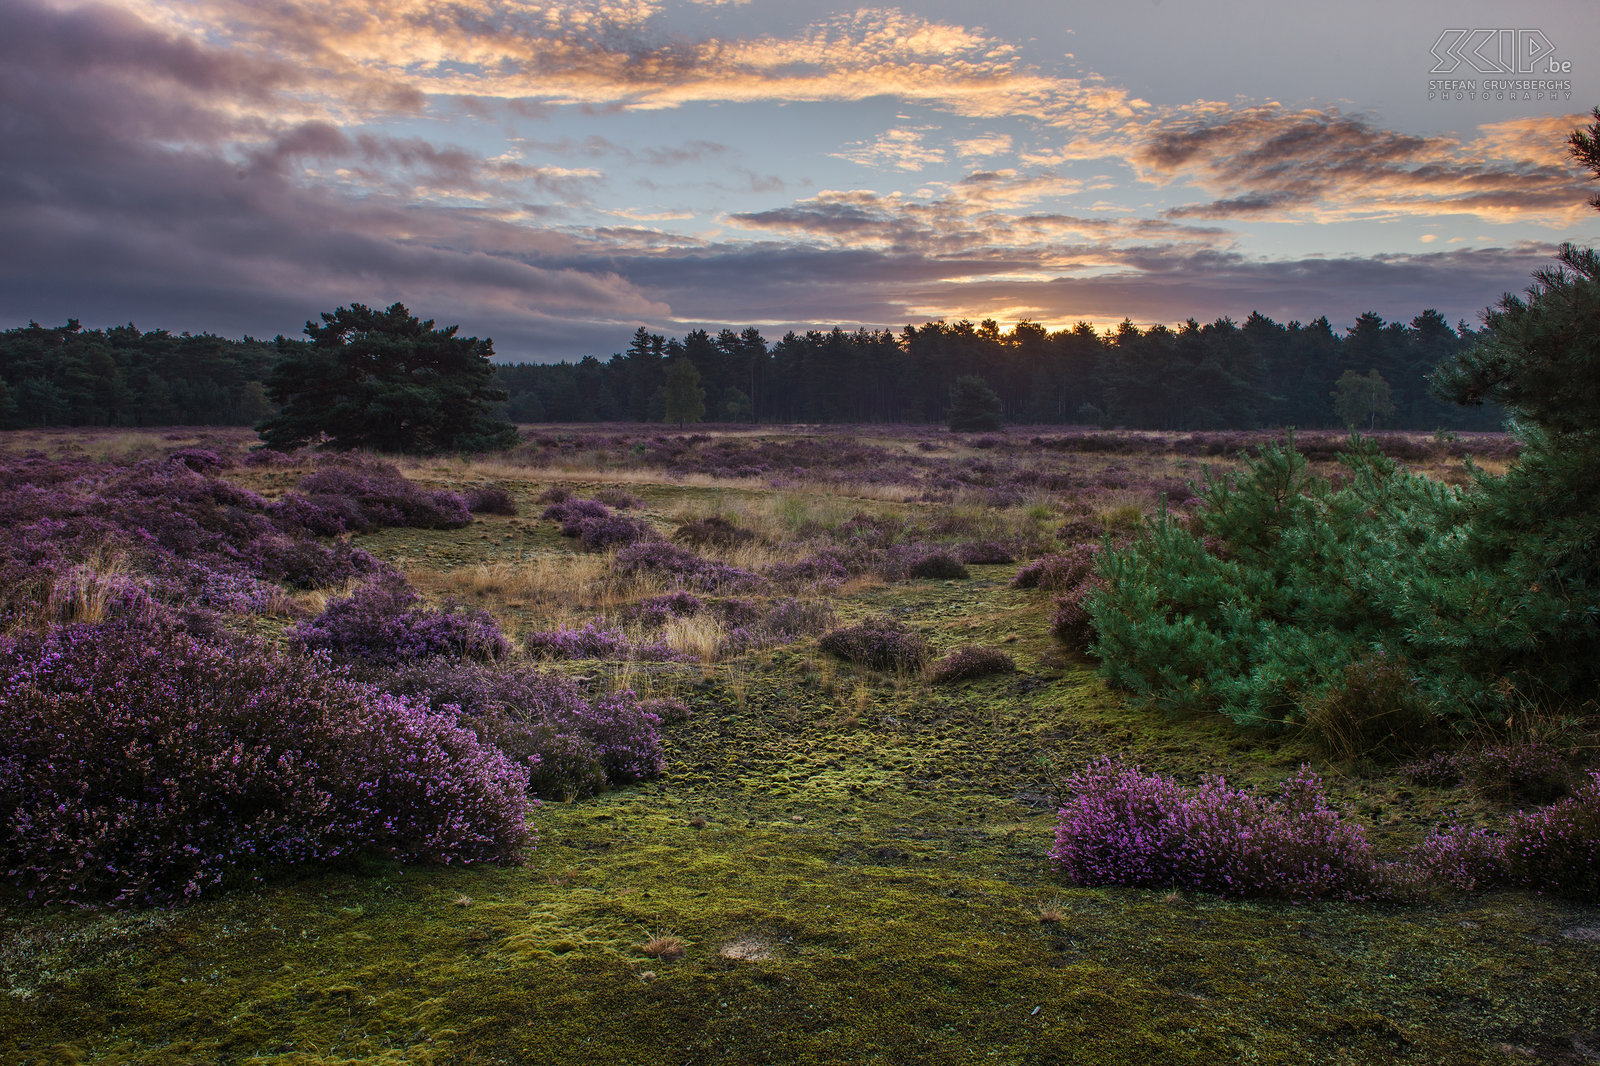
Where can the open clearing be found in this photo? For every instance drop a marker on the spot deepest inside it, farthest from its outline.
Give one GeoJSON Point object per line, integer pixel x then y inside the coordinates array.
{"type": "Point", "coordinates": [839, 865]}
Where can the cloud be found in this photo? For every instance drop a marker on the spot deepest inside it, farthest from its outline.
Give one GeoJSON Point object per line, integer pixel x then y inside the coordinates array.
{"type": "Point", "coordinates": [1322, 165]}
{"type": "Point", "coordinates": [896, 149]}
{"type": "Point", "coordinates": [984, 146]}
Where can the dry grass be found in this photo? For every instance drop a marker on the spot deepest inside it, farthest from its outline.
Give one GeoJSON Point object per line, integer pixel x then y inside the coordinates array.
{"type": "Point", "coordinates": [701, 636]}
{"type": "Point", "coordinates": [666, 948]}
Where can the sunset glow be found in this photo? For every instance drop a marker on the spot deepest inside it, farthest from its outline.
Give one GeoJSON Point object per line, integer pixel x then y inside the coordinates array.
{"type": "Point", "coordinates": [556, 174]}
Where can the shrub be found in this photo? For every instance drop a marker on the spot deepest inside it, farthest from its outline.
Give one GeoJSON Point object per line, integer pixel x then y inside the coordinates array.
{"type": "Point", "coordinates": [568, 511]}
{"type": "Point", "coordinates": [200, 460]}
{"type": "Point", "coordinates": [595, 640]}
{"type": "Point", "coordinates": [613, 531]}
{"type": "Point", "coordinates": [684, 567]}
{"type": "Point", "coordinates": [1521, 771]}
{"type": "Point", "coordinates": [981, 552]}
{"type": "Point", "coordinates": [140, 764]}
{"type": "Point", "coordinates": [821, 572]}
{"type": "Point", "coordinates": [654, 611]}
{"type": "Point", "coordinates": [788, 618]}
{"type": "Point", "coordinates": [713, 531]}
{"type": "Point", "coordinates": [618, 498]}
{"type": "Point", "coordinates": [1440, 769]}
{"type": "Point", "coordinates": [1375, 709]}
{"type": "Point", "coordinates": [1552, 849]}
{"type": "Point", "coordinates": [566, 743]}
{"type": "Point", "coordinates": [378, 622]}
{"type": "Point", "coordinates": [1058, 572]}
{"type": "Point", "coordinates": [971, 661]}
{"type": "Point", "coordinates": [1125, 827]}
{"type": "Point", "coordinates": [370, 495]}
{"type": "Point", "coordinates": [490, 499]}
{"type": "Point", "coordinates": [939, 564]}
{"type": "Point", "coordinates": [880, 643]}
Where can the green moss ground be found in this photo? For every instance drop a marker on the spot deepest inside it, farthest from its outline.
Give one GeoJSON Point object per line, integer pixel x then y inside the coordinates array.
{"type": "Point", "coordinates": [856, 865]}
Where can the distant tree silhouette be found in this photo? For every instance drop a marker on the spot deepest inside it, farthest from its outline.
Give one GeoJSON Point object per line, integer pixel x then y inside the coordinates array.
{"type": "Point", "coordinates": [1358, 399]}
{"type": "Point", "coordinates": [974, 405]}
{"type": "Point", "coordinates": [685, 399]}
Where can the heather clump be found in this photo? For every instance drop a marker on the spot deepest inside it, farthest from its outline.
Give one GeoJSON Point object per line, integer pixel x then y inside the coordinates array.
{"type": "Point", "coordinates": [1060, 571]}
{"type": "Point", "coordinates": [653, 612]}
{"type": "Point", "coordinates": [613, 531]}
{"type": "Point", "coordinates": [1519, 771]}
{"type": "Point", "coordinates": [381, 622]}
{"type": "Point", "coordinates": [1121, 826]}
{"type": "Point", "coordinates": [968, 662]}
{"type": "Point", "coordinates": [1551, 849]}
{"type": "Point", "coordinates": [684, 567]}
{"type": "Point", "coordinates": [569, 510]}
{"type": "Point", "coordinates": [712, 531]}
{"type": "Point", "coordinates": [567, 742]}
{"type": "Point", "coordinates": [984, 552]}
{"type": "Point", "coordinates": [881, 643]}
{"type": "Point", "coordinates": [821, 571]}
{"type": "Point", "coordinates": [938, 564]}
{"type": "Point", "coordinates": [490, 499]}
{"type": "Point", "coordinates": [595, 526]}
{"type": "Point", "coordinates": [364, 495]}
{"type": "Point", "coordinates": [595, 639]}
{"type": "Point", "coordinates": [142, 764]}
{"type": "Point", "coordinates": [187, 538]}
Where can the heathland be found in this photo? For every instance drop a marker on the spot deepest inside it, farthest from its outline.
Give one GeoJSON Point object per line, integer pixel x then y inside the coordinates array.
{"type": "Point", "coordinates": [805, 713]}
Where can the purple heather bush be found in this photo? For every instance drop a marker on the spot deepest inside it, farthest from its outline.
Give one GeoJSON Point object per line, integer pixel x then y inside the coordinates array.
{"type": "Point", "coordinates": [490, 499]}
{"type": "Point", "coordinates": [177, 530]}
{"type": "Point", "coordinates": [1551, 849]}
{"type": "Point", "coordinates": [200, 460]}
{"type": "Point", "coordinates": [653, 612]}
{"type": "Point", "coordinates": [269, 457]}
{"type": "Point", "coordinates": [140, 764]}
{"type": "Point", "coordinates": [938, 564]}
{"type": "Point", "coordinates": [880, 643]}
{"type": "Point", "coordinates": [366, 494]}
{"type": "Point", "coordinates": [713, 531]}
{"type": "Point", "coordinates": [685, 568]}
{"type": "Point", "coordinates": [614, 531]}
{"type": "Point", "coordinates": [570, 510]}
{"type": "Point", "coordinates": [821, 572]}
{"type": "Point", "coordinates": [1125, 827]}
{"type": "Point", "coordinates": [595, 640]}
{"type": "Point", "coordinates": [982, 552]}
{"type": "Point", "coordinates": [380, 622]}
{"type": "Point", "coordinates": [1528, 771]}
{"type": "Point", "coordinates": [566, 742]}
{"type": "Point", "coordinates": [969, 662]}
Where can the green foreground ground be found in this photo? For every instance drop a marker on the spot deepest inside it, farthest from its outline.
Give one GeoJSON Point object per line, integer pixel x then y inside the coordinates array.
{"type": "Point", "coordinates": [856, 866]}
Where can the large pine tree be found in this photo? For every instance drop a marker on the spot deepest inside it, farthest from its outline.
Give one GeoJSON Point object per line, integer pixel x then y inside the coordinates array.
{"type": "Point", "coordinates": [387, 381]}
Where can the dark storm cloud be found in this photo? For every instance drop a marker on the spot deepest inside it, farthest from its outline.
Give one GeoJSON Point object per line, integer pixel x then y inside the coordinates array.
{"type": "Point", "coordinates": [146, 178]}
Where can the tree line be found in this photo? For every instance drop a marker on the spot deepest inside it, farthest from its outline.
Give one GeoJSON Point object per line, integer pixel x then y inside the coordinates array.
{"type": "Point", "coordinates": [1222, 375]}
{"type": "Point", "coordinates": [71, 376]}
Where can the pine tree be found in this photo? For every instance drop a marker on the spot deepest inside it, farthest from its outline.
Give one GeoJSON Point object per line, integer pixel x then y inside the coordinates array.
{"type": "Point", "coordinates": [685, 399]}
{"type": "Point", "coordinates": [974, 406]}
{"type": "Point", "coordinates": [388, 381]}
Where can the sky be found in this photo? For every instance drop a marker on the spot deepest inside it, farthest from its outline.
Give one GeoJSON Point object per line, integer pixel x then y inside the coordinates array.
{"type": "Point", "coordinates": [555, 175]}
